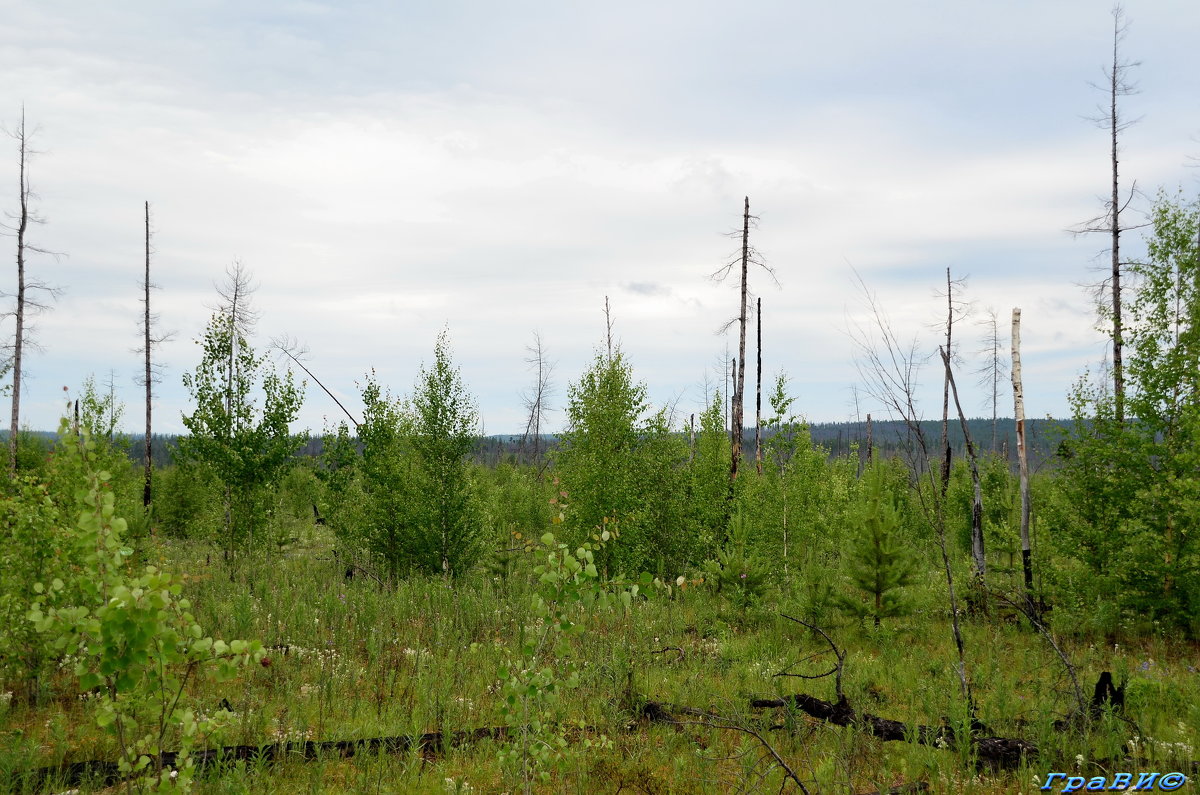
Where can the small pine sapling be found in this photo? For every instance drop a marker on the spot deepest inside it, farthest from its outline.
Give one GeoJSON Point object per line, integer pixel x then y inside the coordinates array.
{"type": "Point", "coordinates": [736, 572]}
{"type": "Point", "coordinates": [879, 565]}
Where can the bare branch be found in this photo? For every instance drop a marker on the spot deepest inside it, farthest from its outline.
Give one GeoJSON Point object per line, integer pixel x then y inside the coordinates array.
{"type": "Point", "coordinates": [536, 398]}
{"type": "Point", "coordinates": [292, 349]}
{"type": "Point", "coordinates": [838, 653]}
{"type": "Point", "coordinates": [24, 303]}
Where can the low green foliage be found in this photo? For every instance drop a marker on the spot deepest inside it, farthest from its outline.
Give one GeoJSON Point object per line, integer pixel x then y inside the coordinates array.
{"type": "Point", "coordinates": [129, 638]}
{"type": "Point", "coordinates": [414, 507]}
{"type": "Point", "coordinates": [568, 588]}
{"type": "Point", "coordinates": [736, 573]}
{"type": "Point", "coordinates": [188, 501]}
{"type": "Point", "coordinates": [31, 538]}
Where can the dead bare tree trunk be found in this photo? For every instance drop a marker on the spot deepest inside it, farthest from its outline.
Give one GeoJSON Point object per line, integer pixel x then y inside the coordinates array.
{"type": "Point", "coordinates": [739, 386]}
{"type": "Point", "coordinates": [743, 261]}
{"type": "Point", "coordinates": [25, 305]}
{"type": "Point", "coordinates": [945, 448]}
{"type": "Point", "coordinates": [1116, 84]}
{"type": "Point", "coordinates": [19, 333]}
{"type": "Point", "coordinates": [235, 295]}
{"type": "Point", "coordinates": [758, 398]}
{"type": "Point", "coordinates": [1022, 462]}
{"type": "Point", "coordinates": [147, 491]}
{"type": "Point", "coordinates": [113, 414]}
{"type": "Point", "coordinates": [608, 326]}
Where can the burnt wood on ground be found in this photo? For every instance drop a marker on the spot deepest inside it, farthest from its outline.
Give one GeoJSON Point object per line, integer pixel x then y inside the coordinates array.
{"type": "Point", "coordinates": [105, 773]}
{"type": "Point", "coordinates": [996, 752]}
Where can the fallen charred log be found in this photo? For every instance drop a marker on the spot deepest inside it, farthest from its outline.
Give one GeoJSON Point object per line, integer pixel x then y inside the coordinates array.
{"type": "Point", "coordinates": [105, 773]}
{"type": "Point", "coordinates": [995, 752]}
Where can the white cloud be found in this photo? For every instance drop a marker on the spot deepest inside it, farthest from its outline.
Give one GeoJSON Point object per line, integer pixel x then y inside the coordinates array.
{"type": "Point", "coordinates": [385, 170]}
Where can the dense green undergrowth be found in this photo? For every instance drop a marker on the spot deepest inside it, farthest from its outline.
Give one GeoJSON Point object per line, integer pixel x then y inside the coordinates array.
{"type": "Point", "coordinates": [357, 657]}
{"type": "Point", "coordinates": [348, 660]}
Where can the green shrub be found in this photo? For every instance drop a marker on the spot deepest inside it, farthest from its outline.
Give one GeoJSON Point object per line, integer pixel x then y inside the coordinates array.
{"type": "Point", "coordinates": [30, 533]}
{"type": "Point", "coordinates": [132, 640]}
{"type": "Point", "coordinates": [187, 502]}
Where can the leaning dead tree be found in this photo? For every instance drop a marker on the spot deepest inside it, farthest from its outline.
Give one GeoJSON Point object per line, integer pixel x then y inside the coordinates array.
{"type": "Point", "coordinates": [888, 368]}
{"type": "Point", "coordinates": [955, 309]}
{"type": "Point", "coordinates": [25, 303]}
{"type": "Point", "coordinates": [1116, 85]}
{"type": "Point", "coordinates": [977, 549]}
{"type": "Point", "coordinates": [748, 255]}
{"type": "Point", "coordinates": [293, 349]}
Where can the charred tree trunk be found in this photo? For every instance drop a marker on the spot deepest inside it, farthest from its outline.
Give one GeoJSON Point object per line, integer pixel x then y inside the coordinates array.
{"type": "Point", "coordinates": [758, 465]}
{"type": "Point", "coordinates": [946, 454]}
{"type": "Point", "coordinates": [148, 475]}
{"type": "Point", "coordinates": [739, 386]}
{"type": "Point", "coordinates": [1116, 88]}
{"type": "Point", "coordinates": [19, 332]}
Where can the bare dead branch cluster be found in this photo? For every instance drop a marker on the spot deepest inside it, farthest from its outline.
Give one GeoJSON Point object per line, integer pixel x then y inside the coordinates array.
{"type": "Point", "coordinates": [537, 397]}
{"type": "Point", "coordinates": [993, 370]}
{"type": "Point", "coordinates": [742, 260]}
{"type": "Point", "coordinates": [889, 369]}
{"type": "Point", "coordinates": [25, 303]}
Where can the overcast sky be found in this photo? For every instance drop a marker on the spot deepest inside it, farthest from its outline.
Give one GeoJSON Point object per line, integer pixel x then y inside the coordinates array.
{"type": "Point", "coordinates": [387, 169]}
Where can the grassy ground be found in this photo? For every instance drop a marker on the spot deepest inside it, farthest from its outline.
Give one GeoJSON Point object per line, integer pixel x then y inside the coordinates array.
{"type": "Point", "coordinates": [349, 660]}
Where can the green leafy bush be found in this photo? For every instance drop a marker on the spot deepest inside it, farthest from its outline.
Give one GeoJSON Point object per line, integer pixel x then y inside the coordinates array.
{"type": "Point", "coordinates": [246, 447]}
{"type": "Point", "coordinates": [421, 512]}
{"type": "Point", "coordinates": [617, 459]}
{"type": "Point", "coordinates": [187, 502]}
{"type": "Point", "coordinates": [1129, 499]}
{"type": "Point", "coordinates": [132, 641]}
{"type": "Point", "coordinates": [31, 537]}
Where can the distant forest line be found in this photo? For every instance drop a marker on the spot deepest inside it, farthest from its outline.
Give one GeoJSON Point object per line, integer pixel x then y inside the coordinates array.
{"type": "Point", "coordinates": [889, 437]}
